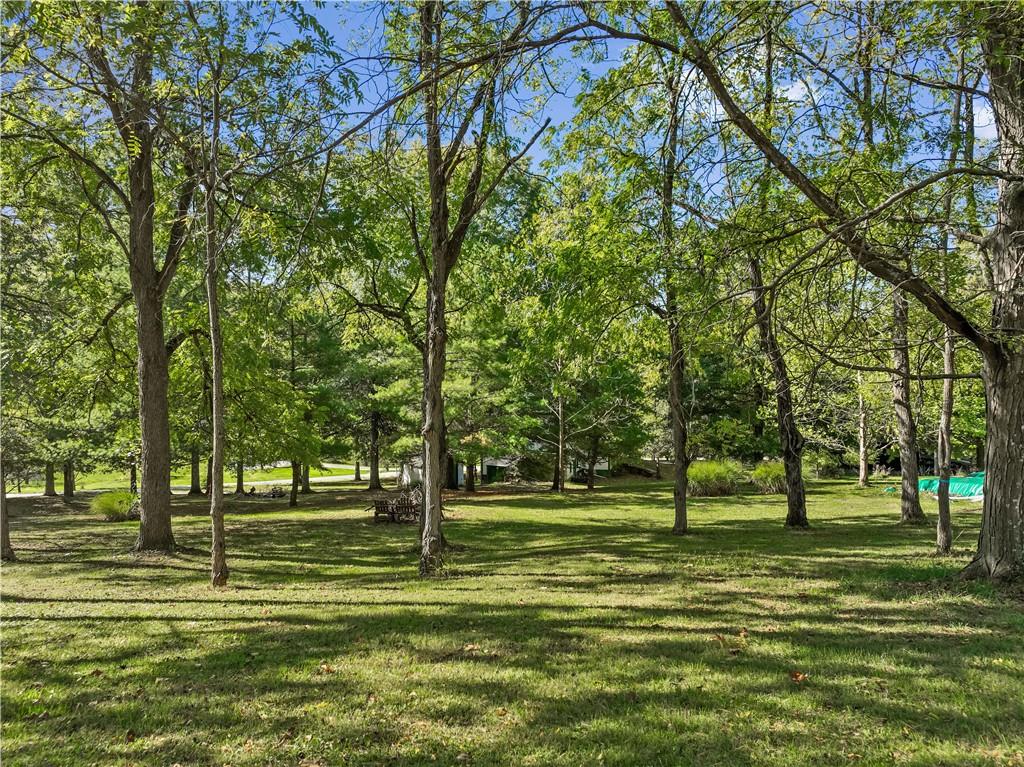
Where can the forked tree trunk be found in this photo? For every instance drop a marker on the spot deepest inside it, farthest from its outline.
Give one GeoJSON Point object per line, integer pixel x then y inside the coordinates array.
{"type": "Point", "coordinates": [944, 528]}
{"type": "Point", "coordinates": [240, 478]}
{"type": "Point", "coordinates": [6, 549]}
{"type": "Point", "coordinates": [196, 487]}
{"type": "Point", "coordinates": [51, 486]}
{"type": "Point", "coordinates": [375, 451]}
{"type": "Point", "coordinates": [906, 428]}
{"type": "Point", "coordinates": [305, 479]}
{"type": "Point", "coordinates": [293, 497]}
{"type": "Point", "coordinates": [69, 480]}
{"type": "Point", "coordinates": [791, 441]}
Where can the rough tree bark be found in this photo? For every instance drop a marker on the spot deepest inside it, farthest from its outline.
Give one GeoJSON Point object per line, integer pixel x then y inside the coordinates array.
{"type": "Point", "coordinates": [50, 487]}
{"type": "Point", "coordinates": [375, 451]}
{"type": "Point", "coordinates": [1000, 552]}
{"type": "Point", "coordinates": [196, 487]}
{"type": "Point", "coordinates": [906, 428]}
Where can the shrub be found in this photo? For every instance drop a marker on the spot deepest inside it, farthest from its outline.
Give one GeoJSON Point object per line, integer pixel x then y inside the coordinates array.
{"type": "Point", "coordinates": [712, 478]}
{"type": "Point", "coordinates": [769, 477]}
{"type": "Point", "coordinates": [116, 506]}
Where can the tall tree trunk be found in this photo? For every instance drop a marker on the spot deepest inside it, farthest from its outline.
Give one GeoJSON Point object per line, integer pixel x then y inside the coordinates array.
{"type": "Point", "coordinates": [1000, 553]}
{"type": "Point", "coordinates": [51, 487]}
{"type": "Point", "coordinates": [6, 549]}
{"type": "Point", "coordinates": [196, 487]}
{"type": "Point", "coordinates": [944, 528]}
{"type": "Point", "coordinates": [293, 498]}
{"type": "Point", "coordinates": [864, 477]}
{"type": "Point", "coordinates": [374, 451]}
{"type": "Point", "coordinates": [239, 478]}
{"type": "Point", "coordinates": [451, 472]}
{"type": "Point", "coordinates": [791, 441]}
{"type": "Point", "coordinates": [471, 477]}
{"type": "Point", "coordinates": [305, 479]}
{"type": "Point", "coordinates": [218, 546]}
{"type": "Point", "coordinates": [133, 478]}
{"type": "Point", "coordinates": [677, 417]}
{"type": "Point", "coordinates": [358, 477]}
{"type": "Point", "coordinates": [433, 426]}
{"type": "Point", "coordinates": [910, 502]}
{"type": "Point", "coordinates": [559, 485]}
{"type": "Point", "coordinates": [209, 475]}
{"type": "Point", "coordinates": [69, 479]}
{"type": "Point", "coordinates": [155, 495]}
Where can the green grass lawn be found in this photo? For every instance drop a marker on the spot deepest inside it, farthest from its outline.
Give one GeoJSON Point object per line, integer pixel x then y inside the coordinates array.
{"type": "Point", "coordinates": [568, 631]}
{"type": "Point", "coordinates": [119, 480]}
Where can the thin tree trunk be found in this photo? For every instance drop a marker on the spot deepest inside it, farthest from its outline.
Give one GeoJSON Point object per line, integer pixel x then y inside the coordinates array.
{"type": "Point", "coordinates": [559, 483]}
{"type": "Point", "coordinates": [215, 481]}
{"type": "Point", "coordinates": [133, 478]}
{"type": "Point", "coordinates": [862, 437]}
{"type": "Point", "coordinates": [51, 487]}
{"type": "Point", "coordinates": [910, 502]}
{"type": "Point", "coordinates": [240, 478]}
{"type": "Point", "coordinates": [209, 475]}
{"type": "Point", "coordinates": [293, 498]}
{"type": "Point", "coordinates": [305, 479]}
{"type": "Point", "coordinates": [196, 487]}
{"type": "Point", "coordinates": [791, 441]}
{"type": "Point", "coordinates": [471, 477]}
{"type": "Point", "coordinates": [451, 472]}
{"type": "Point", "coordinates": [69, 480]}
{"type": "Point", "coordinates": [677, 417]}
{"type": "Point", "coordinates": [375, 451]}
{"type": "Point", "coordinates": [6, 549]}
{"type": "Point", "coordinates": [358, 477]}
{"type": "Point", "coordinates": [944, 528]}
{"type": "Point", "coordinates": [592, 461]}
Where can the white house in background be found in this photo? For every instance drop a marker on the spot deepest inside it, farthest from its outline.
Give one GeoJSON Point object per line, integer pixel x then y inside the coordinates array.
{"type": "Point", "coordinates": [410, 473]}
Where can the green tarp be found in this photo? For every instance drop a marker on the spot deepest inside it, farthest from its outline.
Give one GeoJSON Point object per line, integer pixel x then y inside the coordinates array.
{"type": "Point", "coordinates": [967, 488]}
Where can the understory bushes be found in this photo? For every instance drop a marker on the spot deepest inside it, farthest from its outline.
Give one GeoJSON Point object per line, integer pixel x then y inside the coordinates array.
{"type": "Point", "coordinates": [713, 478]}
{"type": "Point", "coordinates": [116, 506]}
{"type": "Point", "coordinates": [769, 477]}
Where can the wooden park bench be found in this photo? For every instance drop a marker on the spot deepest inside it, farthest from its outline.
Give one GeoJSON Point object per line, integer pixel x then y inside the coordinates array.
{"type": "Point", "coordinates": [399, 510]}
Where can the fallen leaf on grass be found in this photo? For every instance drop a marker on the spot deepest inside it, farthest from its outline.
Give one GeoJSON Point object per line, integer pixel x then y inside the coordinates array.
{"type": "Point", "coordinates": [798, 677]}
